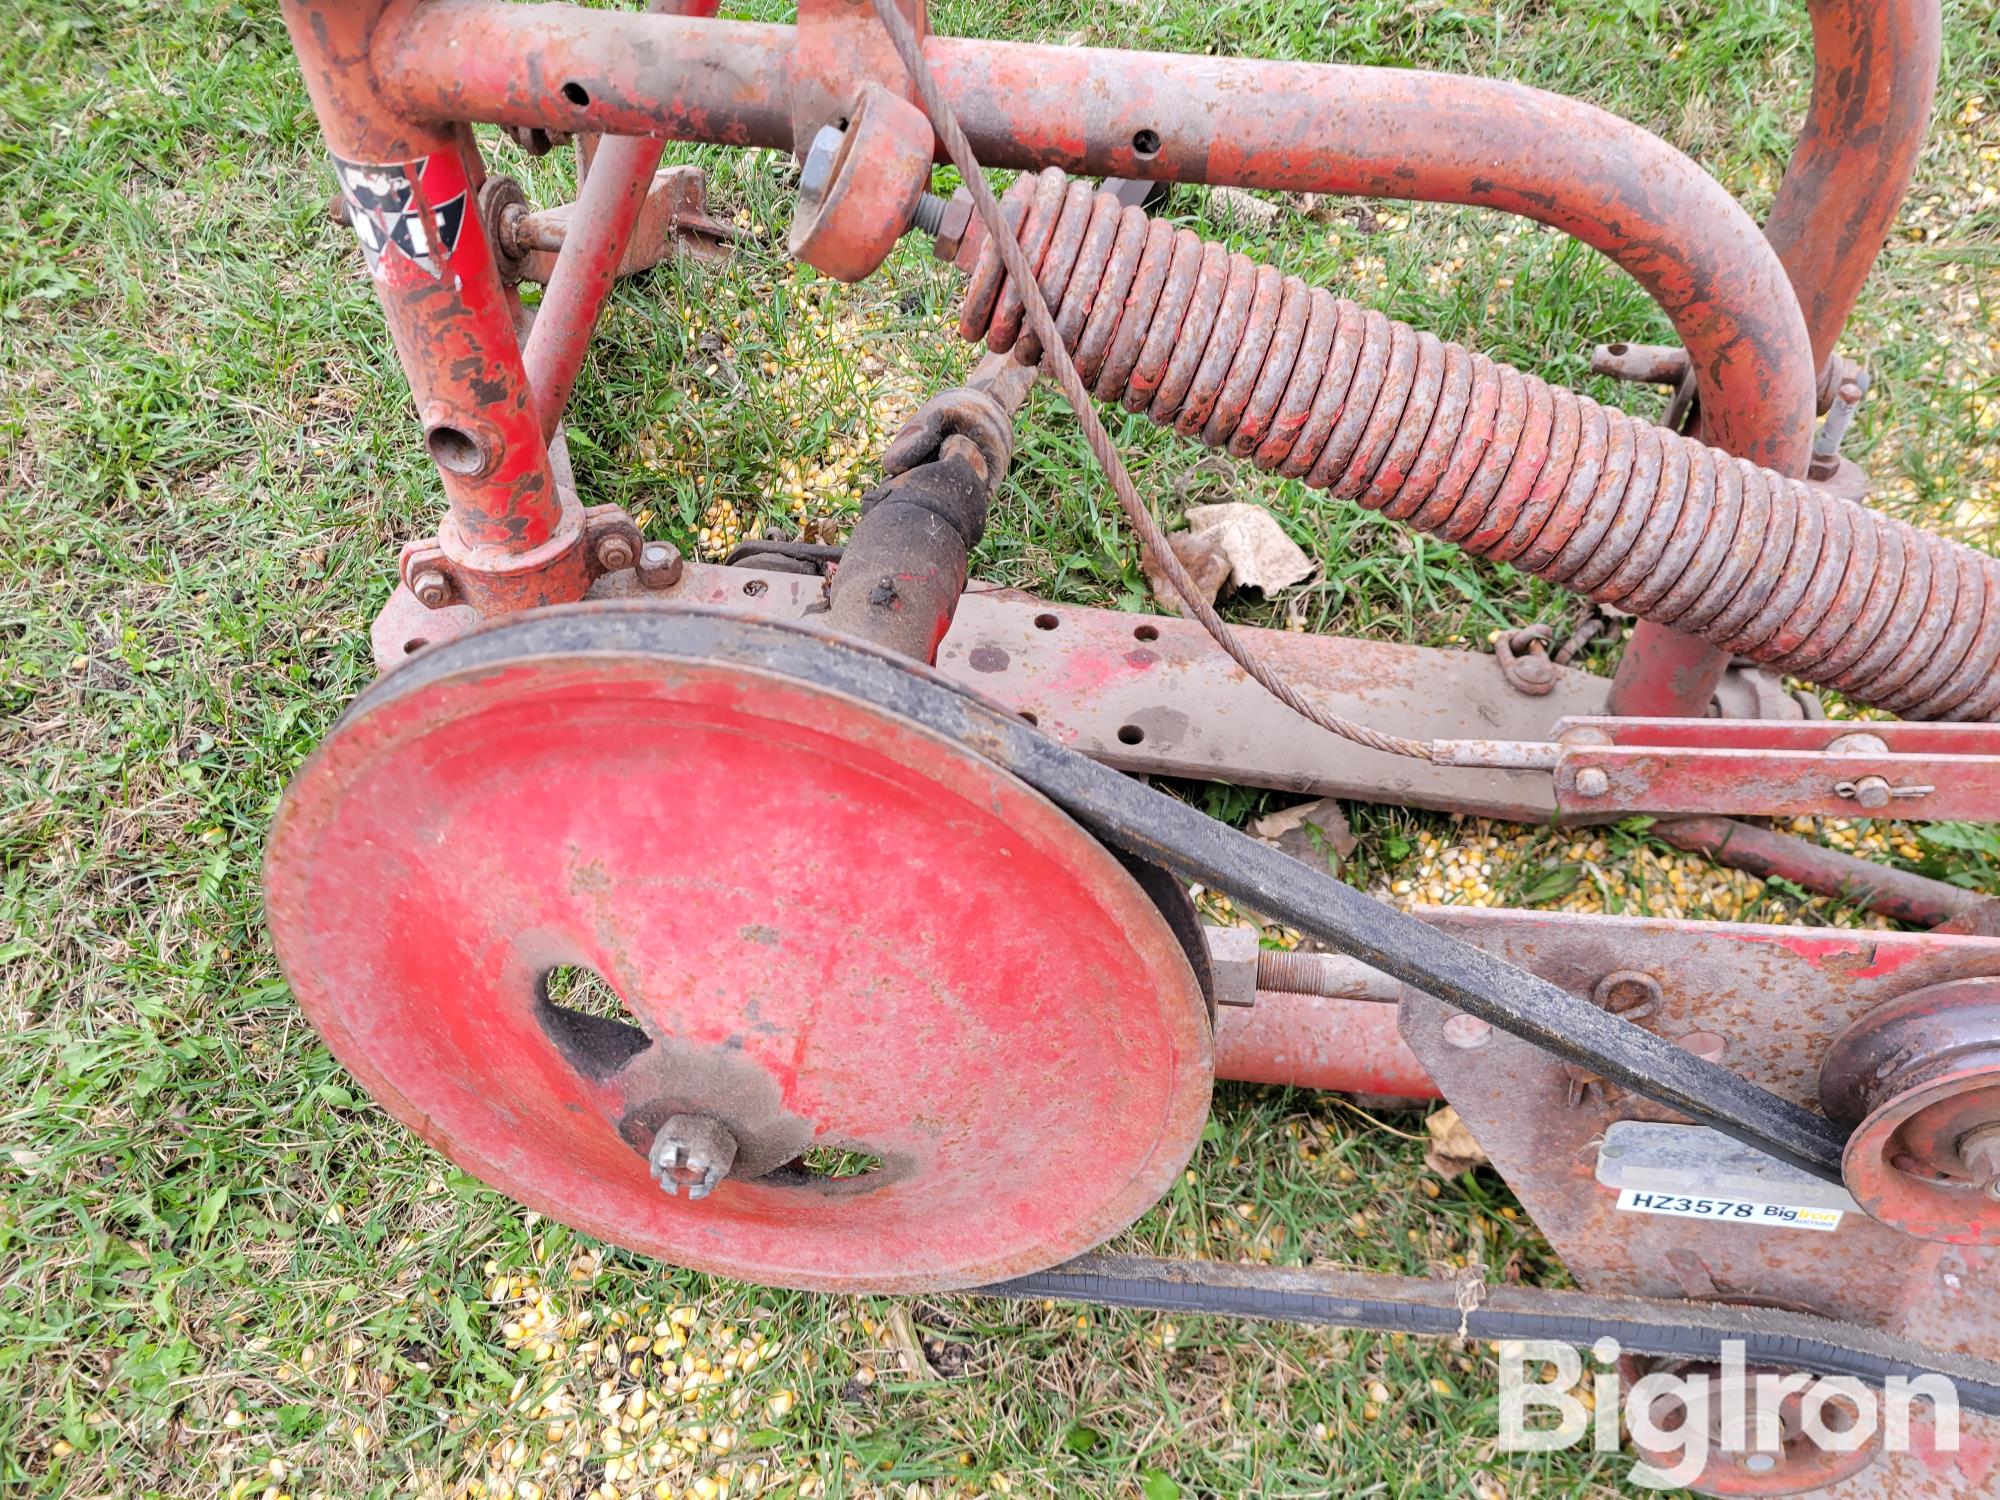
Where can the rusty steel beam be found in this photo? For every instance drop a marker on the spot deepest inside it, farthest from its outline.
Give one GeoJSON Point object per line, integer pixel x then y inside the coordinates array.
{"type": "Point", "coordinates": [1875, 65]}
{"type": "Point", "coordinates": [1795, 767]}
{"type": "Point", "coordinates": [1307, 127]}
{"type": "Point", "coordinates": [1146, 693]}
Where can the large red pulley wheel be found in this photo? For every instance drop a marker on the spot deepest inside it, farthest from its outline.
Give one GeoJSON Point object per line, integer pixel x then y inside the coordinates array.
{"type": "Point", "coordinates": [828, 928]}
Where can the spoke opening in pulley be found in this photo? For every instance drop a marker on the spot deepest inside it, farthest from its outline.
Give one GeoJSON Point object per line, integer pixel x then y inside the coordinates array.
{"type": "Point", "coordinates": [588, 1021]}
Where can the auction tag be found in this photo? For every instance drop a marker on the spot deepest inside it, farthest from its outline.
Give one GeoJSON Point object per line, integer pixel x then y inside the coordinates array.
{"type": "Point", "coordinates": [1729, 1210]}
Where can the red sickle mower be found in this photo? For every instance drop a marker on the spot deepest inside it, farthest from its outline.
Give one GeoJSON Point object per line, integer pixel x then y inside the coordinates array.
{"type": "Point", "coordinates": [855, 848]}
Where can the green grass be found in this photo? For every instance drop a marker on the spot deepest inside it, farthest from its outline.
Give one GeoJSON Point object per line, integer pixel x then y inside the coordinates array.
{"type": "Point", "coordinates": [215, 1255]}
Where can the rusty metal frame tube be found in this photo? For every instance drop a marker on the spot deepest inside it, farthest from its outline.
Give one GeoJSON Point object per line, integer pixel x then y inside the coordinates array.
{"type": "Point", "coordinates": [586, 269]}
{"type": "Point", "coordinates": [594, 243]}
{"type": "Point", "coordinates": [459, 351]}
{"type": "Point", "coordinates": [1875, 66]}
{"type": "Point", "coordinates": [1325, 1042]}
{"type": "Point", "coordinates": [1769, 854]}
{"type": "Point", "coordinates": [1379, 132]}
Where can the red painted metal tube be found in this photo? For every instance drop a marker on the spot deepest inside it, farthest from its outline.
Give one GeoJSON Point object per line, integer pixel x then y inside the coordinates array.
{"type": "Point", "coordinates": [594, 244]}
{"type": "Point", "coordinates": [586, 269]}
{"type": "Point", "coordinates": [1382, 132]}
{"type": "Point", "coordinates": [410, 192]}
{"type": "Point", "coordinates": [1875, 65]}
{"type": "Point", "coordinates": [1665, 674]}
{"type": "Point", "coordinates": [1766, 853]}
{"type": "Point", "coordinates": [1318, 1042]}
{"type": "Point", "coordinates": [720, 82]}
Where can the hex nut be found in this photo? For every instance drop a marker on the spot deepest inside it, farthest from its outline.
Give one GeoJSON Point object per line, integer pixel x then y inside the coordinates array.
{"type": "Point", "coordinates": [1232, 963]}
{"type": "Point", "coordinates": [693, 1152]}
{"type": "Point", "coordinates": [952, 226]}
{"type": "Point", "coordinates": [432, 588]}
{"type": "Point", "coordinates": [816, 171]}
{"type": "Point", "coordinates": [659, 565]}
{"type": "Point", "coordinates": [614, 553]}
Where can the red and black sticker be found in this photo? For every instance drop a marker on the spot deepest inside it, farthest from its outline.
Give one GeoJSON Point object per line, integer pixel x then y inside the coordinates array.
{"type": "Point", "coordinates": [411, 210]}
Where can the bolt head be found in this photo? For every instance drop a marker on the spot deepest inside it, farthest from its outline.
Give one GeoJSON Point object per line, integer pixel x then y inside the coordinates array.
{"type": "Point", "coordinates": [432, 588]}
{"type": "Point", "coordinates": [659, 566]}
{"type": "Point", "coordinates": [1591, 781]}
{"type": "Point", "coordinates": [816, 172]}
{"type": "Point", "coordinates": [1872, 792]}
{"type": "Point", "coordinates": [614, 553]}
{"type": "Point", "coordinates": [952, 227]}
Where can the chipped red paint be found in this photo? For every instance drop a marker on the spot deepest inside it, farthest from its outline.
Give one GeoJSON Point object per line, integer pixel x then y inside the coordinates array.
{"type": "Point", "coordinates": [1848, 958]}
{"type": "Point", "coordinates": [512, 535]}
{"type": "Point", "coordinates": [1875, 65]}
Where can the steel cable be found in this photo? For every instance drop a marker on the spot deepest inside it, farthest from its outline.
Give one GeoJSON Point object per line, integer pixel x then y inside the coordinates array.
{"type": "Point", "coordinates": [1022, 296]}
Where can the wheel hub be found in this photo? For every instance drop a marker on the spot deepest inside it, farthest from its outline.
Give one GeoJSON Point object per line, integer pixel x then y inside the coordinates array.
{"type": "Point", "coordinates": [826, 928]}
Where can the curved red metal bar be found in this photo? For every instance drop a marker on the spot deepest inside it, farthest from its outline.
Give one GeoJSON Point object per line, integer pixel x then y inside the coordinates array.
{"type": "Point", "coordinates": [1875, 65]}
{"type": "Point", "coordinates": [1380, 132]}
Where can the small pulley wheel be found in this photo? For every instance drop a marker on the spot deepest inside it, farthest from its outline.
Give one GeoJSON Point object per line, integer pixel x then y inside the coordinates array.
{"type": "Point", "coordinates": [1786, 1461]}
{"type": "Point", "coordinates": [886, 1018]}
{"type": "Point", "coordinates": [1918, 1078]}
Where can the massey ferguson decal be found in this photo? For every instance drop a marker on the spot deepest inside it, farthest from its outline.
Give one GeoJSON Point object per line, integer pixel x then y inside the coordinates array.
{"type": "Point", "coordinates": [410, 210]}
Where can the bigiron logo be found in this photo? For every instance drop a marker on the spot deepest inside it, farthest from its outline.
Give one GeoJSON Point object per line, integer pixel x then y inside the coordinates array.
{"type": "Point", "coordinates": [1718, 1408]}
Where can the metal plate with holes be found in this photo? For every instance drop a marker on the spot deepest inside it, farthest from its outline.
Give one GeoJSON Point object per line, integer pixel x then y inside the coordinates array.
{"type": "Point", "coordinates": [1153, 694]}
{"type": "Point", "coordinates": [1763, 1002]}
